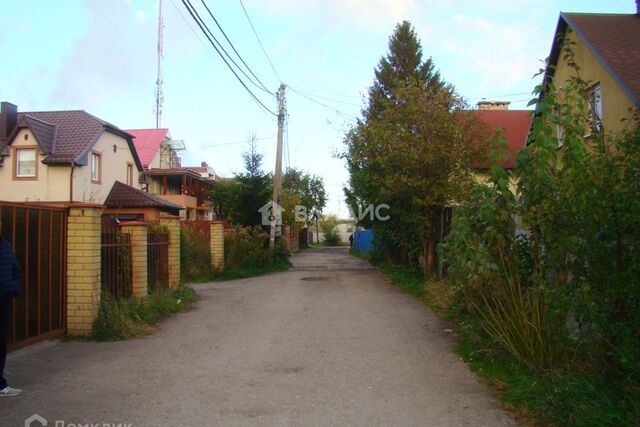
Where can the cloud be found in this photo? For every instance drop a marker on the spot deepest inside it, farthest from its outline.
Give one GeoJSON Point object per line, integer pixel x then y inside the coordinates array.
{"type": "Point", "coordinates": [500, 55]}
{"type": "Point", "coordinates": [344, 12]}
{"type": "Point", "coordinates": [114, 58]}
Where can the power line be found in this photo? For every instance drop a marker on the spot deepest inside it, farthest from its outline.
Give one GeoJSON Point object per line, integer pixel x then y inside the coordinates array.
{"type": "Point", "coordinates": [259, 42]}
{"type": "Point", "coordinates": [246, 141]}
{"type": "Point", "coordinates": [234, 49]}
{"type": "Point", "coordinates": [330, 99]}
{"type": "Point", "coordinates": [349, 116]}
{"type": "Point", "coordinates": [187, 4]}
{"type": "Point", "coordinates": [219, 45]}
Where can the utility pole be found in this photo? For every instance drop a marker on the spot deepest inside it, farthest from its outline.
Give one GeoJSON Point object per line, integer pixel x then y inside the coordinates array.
{"type": "Point", "coordinates": [160, 53]}
{"type": "Point", "coordinates": [277, 175]}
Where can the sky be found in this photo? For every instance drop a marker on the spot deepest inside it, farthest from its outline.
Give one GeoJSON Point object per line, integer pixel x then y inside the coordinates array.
{"type": "Point", "coordinates": [100, 56]}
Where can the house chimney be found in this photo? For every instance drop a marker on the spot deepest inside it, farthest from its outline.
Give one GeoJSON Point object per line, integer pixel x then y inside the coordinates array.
{"type": "Point", "coordinates": [8, 119]}
{"type": "Point", "coordinates": [204, 164]}
{"type": "Point", "coordinates": [493, 105]}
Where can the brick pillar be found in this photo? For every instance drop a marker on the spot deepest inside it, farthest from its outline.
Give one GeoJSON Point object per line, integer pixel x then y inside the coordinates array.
{"type": "Point", "coordinates": [83, 268]}
{"type": "Point", "coordinates": [138, 232]}
{"type": "Point", "coordinates": [217, 245]}
{"type": "Point", "coordinates": [173, 225]}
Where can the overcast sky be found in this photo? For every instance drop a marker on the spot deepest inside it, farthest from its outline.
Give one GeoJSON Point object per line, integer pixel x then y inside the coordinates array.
{"type": "Point", "coordinates": [100, 56]}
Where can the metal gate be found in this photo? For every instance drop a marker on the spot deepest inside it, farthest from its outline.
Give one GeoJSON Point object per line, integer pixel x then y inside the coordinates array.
{"type": "Point", "coordinates": [116, 269]}
{"type": "Point", "coordinates": [38, 236]}
{"type": "Point", "coordinates": [157, 256]}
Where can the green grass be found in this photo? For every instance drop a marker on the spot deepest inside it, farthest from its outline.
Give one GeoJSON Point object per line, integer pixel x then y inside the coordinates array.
{"type": "Point", "coordinates": [561, 397]}
{"type": "Point", "coordinates": [124, 318]}
{"type": "Point", "coordinates": [567, 397]}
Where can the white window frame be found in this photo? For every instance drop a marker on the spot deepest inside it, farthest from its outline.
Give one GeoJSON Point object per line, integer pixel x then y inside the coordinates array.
{"type": "Point", "coordinates": [96, 167]}
{"type": "Point", "coordinates": [35, 162]}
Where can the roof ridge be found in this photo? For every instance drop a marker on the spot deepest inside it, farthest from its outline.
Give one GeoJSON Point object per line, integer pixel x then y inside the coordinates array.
{"type": "Point", "coordinates": [37, 119]}
{"type": "Point", "coordinates": [598, 14]}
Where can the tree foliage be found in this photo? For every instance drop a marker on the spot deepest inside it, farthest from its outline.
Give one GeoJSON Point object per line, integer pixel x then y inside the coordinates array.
{"type": "Point", "coordinates": [238, 199]}
{"type": "Point", "coordinates": [411, 150]}
{"type": "Point", "coordinates": [302, 189]}
{"type": "Point", "coordinates": [570, 238]}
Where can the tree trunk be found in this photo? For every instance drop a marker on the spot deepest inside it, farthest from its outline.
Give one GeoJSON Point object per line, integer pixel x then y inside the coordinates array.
{"type": "Point", "coordinates": [428, 252]}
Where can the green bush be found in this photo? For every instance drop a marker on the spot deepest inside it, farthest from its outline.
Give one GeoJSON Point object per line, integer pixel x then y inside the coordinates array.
{"type": "Point", "coordinates": [247, 249]}
{"type": "Point", "coordinates": [195, 256]}
{"type": "Point", "coordinates": [121, 318]}
{"type": "Point", "coordinates": [552, 276]}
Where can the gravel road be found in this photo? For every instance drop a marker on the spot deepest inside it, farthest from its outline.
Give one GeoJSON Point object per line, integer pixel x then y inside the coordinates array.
{"type": "Point", "coordinates": [328, 343]}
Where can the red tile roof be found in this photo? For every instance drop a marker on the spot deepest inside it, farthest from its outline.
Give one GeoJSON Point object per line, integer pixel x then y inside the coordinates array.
{"type": "Point", "coordinates": [147, 142]}
{"type": "Point", "coordinates": [614, 39]}
{"type": "Point", "coordinates": [126, 196]}
{"type": "Point", "coordinates": [515, 125]}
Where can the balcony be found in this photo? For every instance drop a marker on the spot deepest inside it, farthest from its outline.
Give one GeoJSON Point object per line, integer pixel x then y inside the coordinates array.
{"type": "Point", "coordinates": [184, 200]}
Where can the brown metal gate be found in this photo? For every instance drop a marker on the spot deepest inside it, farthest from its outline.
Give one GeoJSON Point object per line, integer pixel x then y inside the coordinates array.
{"type": "Point", "coordinates": [116, 269]}
{"type": "Point", "coordinates": [157, 256]}
{"type": "Point", "coordinates": [38, 236]}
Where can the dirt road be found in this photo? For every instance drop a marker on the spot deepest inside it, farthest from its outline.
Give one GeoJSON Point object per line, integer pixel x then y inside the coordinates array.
{"type": "Point", "coordinates": [328, 343]}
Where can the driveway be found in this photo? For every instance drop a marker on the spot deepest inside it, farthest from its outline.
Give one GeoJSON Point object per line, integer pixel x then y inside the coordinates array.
{"type": "Point", "coordinates": [328, 343]}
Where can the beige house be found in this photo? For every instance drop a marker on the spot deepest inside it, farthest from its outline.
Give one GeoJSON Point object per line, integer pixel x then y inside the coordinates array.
{"type": "Point", "coordinates": [62, 156]}
{"type": "Point", "coordinates": [607, 50]}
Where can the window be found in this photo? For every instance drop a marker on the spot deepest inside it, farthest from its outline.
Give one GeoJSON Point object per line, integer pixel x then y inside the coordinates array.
{"type": "Point", "coordinates": [595, 104]}
{"type": "Point", "coordinates": [26, 165]}
{"type": "Point", "coordinates": [130, 174]}
{"type": "Point", "coordinates": [96, 166]}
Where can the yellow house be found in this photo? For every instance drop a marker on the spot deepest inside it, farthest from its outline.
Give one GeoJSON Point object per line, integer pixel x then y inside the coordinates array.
{"type": "Point", "coordinates": [607, 50]}
{"type": "Point", "coordinates": [62, 156]}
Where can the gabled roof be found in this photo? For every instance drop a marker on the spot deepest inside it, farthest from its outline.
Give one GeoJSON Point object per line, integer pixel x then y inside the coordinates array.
{"type": "Point", "coordinates": [614, 39]}
{"type": "Point", "coordinates": [125, 196]}
{"type": "Point", "coordinates": [68, 136]}
{"type": "Point", "coordinates": [515, 125]}
{"type": "Point", "coordinates": [147, 142]}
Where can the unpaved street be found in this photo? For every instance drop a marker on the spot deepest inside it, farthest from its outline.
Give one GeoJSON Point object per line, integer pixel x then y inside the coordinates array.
{"type": "Point", "coordinates": [327, 343]}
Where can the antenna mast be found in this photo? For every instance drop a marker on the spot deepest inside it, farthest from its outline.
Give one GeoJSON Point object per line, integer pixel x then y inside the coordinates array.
{"type": "Point", "coordinates": [160, 49]}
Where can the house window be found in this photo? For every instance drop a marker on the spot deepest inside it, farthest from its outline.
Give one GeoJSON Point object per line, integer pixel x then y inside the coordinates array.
{"type": "Point", "coordinates": [130, 174]}
{"type": "Point", "coordinates": [595, 104]}
{"type": "Point", "coordinates": [96, 167]}
{"type": "Point", "coordinates": [26, 166]}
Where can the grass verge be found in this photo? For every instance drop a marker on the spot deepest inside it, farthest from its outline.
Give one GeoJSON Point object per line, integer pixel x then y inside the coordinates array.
{"type": "Point", "coordinates": [575, 397]}
{"type": "Point", "coordinates": [124, 318]}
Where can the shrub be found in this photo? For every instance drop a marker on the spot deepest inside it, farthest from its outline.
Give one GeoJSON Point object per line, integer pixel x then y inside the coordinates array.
{"type": "Point", "coordinates": [248, 248]}
{"type": "Point", "coordinates": [195, 255]}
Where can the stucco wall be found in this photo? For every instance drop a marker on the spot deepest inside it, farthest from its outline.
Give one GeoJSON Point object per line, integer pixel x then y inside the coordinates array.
{"type": "Point", "coordinates": [114, 168]}
{"type": "Point", "coordinates": [615, 102]}
{"type": "Point", "coordinates": [52, 183]}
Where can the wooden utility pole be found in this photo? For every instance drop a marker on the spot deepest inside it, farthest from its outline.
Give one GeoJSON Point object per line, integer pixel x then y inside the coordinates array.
{"type": "Point", "coordinates": [277, 175]}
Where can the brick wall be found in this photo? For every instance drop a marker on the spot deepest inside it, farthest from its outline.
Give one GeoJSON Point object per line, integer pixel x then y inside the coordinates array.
{"type": "Point", "coordinates": [83, 268]}
{"type": "Point", "coordinates": [217, 245]}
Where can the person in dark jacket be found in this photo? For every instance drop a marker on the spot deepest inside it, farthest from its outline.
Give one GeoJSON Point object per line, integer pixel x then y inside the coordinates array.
{"type": "Point", "coordinates": [10, 284]}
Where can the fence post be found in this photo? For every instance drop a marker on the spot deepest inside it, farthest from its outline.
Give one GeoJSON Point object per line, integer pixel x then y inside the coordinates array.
{"type": "Point", "coordinates": [83, 268]}
{"type": "Point", "coordinates": [216, 245]}
{"type": "Point", "coordinates": [173, 225]}
{"type": "Point", "coordinates": [138, 232]}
